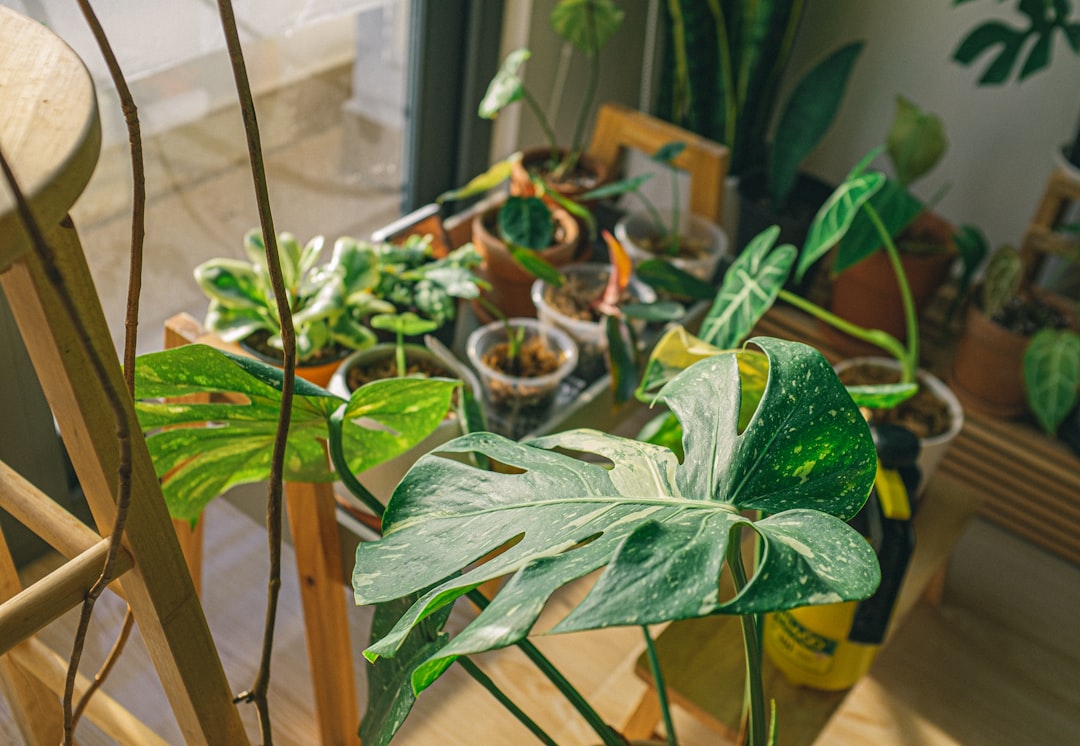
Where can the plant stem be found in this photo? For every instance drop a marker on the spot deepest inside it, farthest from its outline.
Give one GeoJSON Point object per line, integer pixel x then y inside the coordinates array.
{"type": "Point", "coordinates": [751, 626]}
{"type": "Point", "coordinates": [567, 167]}
{"type": "Point", "coordinates": [399, 354]}
{"type": "Point", "coordinates": [875, 337]}
{"type": "Point", "coordinates": [911, 320]}
{"type": "Point", "coordinates": [661, 688]}
{"type": "Point", "coordinates": [258, 692]}
{"type": "Point", "coordinates": [482, 678]}
{"type": "Point", "coordinates": [544, 125]}
{"type": "Point", "coordinates": [341, 466]}
{"type": "Point", "coordinates": [572, 695]}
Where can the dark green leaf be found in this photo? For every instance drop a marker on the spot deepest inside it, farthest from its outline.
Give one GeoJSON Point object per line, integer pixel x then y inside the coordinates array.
{"type": "Point", "coordinates": [666, 277]}
{"type": "Point", "coordinates": [668, 152]}
{"type": "Point", "coordinates": [984, 37]}
{"type": "Point", "coordinates": [536, 266]}
{"type": "Point", "coordinates": [616, 188]}
{"type": "Point", "coordinates": [527, 222]}
{"type": "Point", "coordinates": [1038, 58]}
{"type": "Point", "coordinates": [656, 311]}
{"type": "Point", "coordinates": [622, 358]}
{"type": "Point", "coordinates": [896, 207]}
{"type": "Point", "coordinates": [809, 113]}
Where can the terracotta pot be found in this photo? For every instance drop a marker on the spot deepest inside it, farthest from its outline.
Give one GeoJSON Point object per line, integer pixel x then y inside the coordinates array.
{"type": "Point", "coordinates": [316, 373]}
{"type": "Point", "coordinates": [867, 294]}
{"type": "Point", "coordinates": [591, 174]}
{"type": "Point", "coordinates": [510, 283]}
{"type": "Point", "coordinates": [988, 368]}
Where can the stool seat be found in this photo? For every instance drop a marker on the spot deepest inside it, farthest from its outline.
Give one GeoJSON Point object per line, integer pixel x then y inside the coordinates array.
{"type": "Point", "coordinates": [50, 132]}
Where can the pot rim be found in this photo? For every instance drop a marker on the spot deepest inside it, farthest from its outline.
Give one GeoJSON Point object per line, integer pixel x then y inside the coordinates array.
{"type": "Point", "coordinates": [645, 294]}
{"type": "Point", "coordinates": [562, 340]}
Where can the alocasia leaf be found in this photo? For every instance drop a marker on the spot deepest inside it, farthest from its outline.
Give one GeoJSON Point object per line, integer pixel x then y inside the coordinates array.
{"type": "Point", "coordinates": [506, 87]}
{"type": "Point", "coordinates": [835, 217]}
{"type": "Point", "coordinates": [1052, 376]}
{"type": "Point", "coordinates": [658, 527]}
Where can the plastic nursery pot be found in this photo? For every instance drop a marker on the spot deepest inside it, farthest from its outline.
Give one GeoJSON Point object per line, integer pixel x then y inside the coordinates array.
{"type": "Point", "coordinates": [510, 282]}
{"type": "Point", "coordinates": [382, 479]}
{"type": "Point", "coordinates": [932, 448]}
{"type": "Point", "coordinates": [706, 240]}
{"type": "Point", "coordinates": [585, 281]}
{"type": "Point", "coordinates": [318, 372]}
{"type": "Point", "coordinates": [518, 404]}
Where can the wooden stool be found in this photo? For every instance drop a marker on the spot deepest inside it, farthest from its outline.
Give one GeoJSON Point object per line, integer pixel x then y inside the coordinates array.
{"type": "Point", "coordinates": [1062, 190]}
{"type": "Point", "coordinates": [50, 134]}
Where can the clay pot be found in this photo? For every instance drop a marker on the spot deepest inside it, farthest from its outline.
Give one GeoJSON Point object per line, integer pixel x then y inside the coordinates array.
{"type": "Point", "coordinates": [867, 293]}
{"type": "Point", "coordinates": [318, 373]}
{"type": "Point", "coordinates": [988, 369]}
{"type": "Point", "coordinates": [510, 283]}
{"type": "Point", "coordinates": [589, 174]}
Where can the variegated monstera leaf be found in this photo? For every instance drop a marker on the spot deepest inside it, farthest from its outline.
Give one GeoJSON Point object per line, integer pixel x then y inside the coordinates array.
{"type": "Point", "coordinates": [659, 528]}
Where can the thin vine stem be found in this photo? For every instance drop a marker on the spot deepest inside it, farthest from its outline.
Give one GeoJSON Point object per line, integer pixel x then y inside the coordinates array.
{"type": "Point", "coordinates": [751, 628]}
{"type": "Point", "coordinates": [258, 692]}
{"type": "Point", "coordinates": [661, 688]}
{"type": "Point", "coordinates": [911, 320]}
{"type": "Point", "coordinates": [123, 436]}
{"type": "Point", "coordinates": [493, 689]}
{"type": "Point", "coordinates": [135, 271]}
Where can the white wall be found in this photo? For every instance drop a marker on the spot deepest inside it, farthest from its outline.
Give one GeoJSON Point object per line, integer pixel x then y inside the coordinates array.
{"type": "Point", "coordinates": [1001, 138]}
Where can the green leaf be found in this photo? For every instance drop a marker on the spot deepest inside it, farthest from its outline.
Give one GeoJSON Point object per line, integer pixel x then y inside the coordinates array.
{"type": "Point", "coordinates": [676, 351]}
{"type": "Point", "coordinates": [1038, 58]}
{"type": "Point", "coordinates": [668, 152]}
{"type": "Point", "coordinates": [1052, 375]}
{"type": "Point", "coordinates": [882, 396]}
{"type": "Point", "coordinates": [664, 310]}
{"type": "Point", "coordinates": [527, 222]}
{"type": "Point", "coordinates": [485, 182]}
{"type": "Point", "coordinates": [197, 464]}
{"type": "Point", "coordinates": [668, 278]}
{"type": "Point", "coordinates": [232, 283]}
{"type": "Point", "coordinates": [1001, 280]}
{"type": "Point", "coordinates": [407, 323]}
{"type": "Point", "coordinates": [289, 252]}
{"type": "Point", "coordinates": [806, 118]}
{"type": "Point", "coordinates": [981, 40]}
{"type": "Point", "coordinates": [536, 266]}
{"type": "Point", "coordinates": [506, 87]}
{"type": "Point", "coordinates": [616, 188]}
{"type": "Point", "coordinates": [587, 24]}
{"type": "Point", "coordinates": [389, 680]}
{"type": "Point", "coordinates": [233, 324]}
{"type": "Point", "coordinates": [622, 358]}
{"type": "Point", "coordinates": [750, 287]}
{"type": "Point", "coordinates": [916, 141]}
{"type": "Point", "coordinates": [658, 527]}
{"type": "Point", "coordinates": [895, 206]}
{"type": "Point", "coordinates": [835, 217]}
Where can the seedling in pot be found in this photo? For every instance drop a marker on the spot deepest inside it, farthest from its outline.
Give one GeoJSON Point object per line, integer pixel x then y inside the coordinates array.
{"type": "Point", "coordinates": [402, 325]}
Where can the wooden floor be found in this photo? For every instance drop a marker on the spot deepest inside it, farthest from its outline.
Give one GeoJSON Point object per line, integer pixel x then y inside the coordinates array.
{"type": "Point", "coordinates": [978, 670]}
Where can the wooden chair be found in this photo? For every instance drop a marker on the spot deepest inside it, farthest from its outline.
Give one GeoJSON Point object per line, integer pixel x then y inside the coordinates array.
{"type": "Point", "coordinates": [619, 127]}
{"type": "Point", "coordinates": [50, 134]}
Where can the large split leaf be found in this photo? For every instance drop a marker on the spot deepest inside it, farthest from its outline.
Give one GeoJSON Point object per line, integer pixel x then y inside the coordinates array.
{"type": "Point", "coordinates": [659, 528]}
{"type": "Point", "coordinates": [226, 443]}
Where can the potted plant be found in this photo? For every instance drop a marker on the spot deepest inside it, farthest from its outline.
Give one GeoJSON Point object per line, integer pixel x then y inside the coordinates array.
{"type": "Point", "coordinates": [724, 82]}
{"type": "Point", "coordinates": [1017, 351]}
{"type": "Point", "coordinates": [604, 308]}
{"type": "Point", "coordinates": [403, 360]}
{"type": "Point", "coordinates": [587, 25]}
{"type": "Point", "coordinates": [520, 364]}
{"type": "Point", "coordinates": [864, 290]}
{"type": "Point", "coordinates": [756, 280]}
{"type": "Point", "coordinates": [329, 302]}
{"type": "Point", "coordinates": [660, 528]}
{"type": "Point", "coordinates": [690, 242]}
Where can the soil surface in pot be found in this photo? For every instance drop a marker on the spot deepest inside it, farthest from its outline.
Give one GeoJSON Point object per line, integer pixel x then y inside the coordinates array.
{"type": "Point", "coordinates": [690, 247]}
{"type": "Point", "coordinates": [580, 179]}
{"type": "Point", "coordinates": [576, 296]}
{"type": "Point", "coordinates": [923, 414]}
{"type": "Point", "coordinates": [380, 370]}
{"type": "Point", "coordinates": [534, 359]}
{"type": "Point", "coordinates": [257, 342]}
{"type": "Point", "coordinates": [1026, 316]}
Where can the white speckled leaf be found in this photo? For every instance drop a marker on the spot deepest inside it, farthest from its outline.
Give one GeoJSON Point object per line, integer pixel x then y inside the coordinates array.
{"type": "Point", "coordinates": [658, 528]}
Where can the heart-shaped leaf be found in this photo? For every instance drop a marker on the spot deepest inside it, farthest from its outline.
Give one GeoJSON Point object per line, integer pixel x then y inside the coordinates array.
{"type": "Point", "coordinates": [660, 528]}
{"type": "Point", "coordinates": [1052, 375]}
{"type": "Point", "coordinates": [835, 216]}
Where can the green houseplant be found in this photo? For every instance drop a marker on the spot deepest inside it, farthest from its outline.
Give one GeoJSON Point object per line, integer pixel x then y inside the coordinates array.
{"type": "Point", "coordinates": [587, 25]}
{"type": "Point", "coordinates": [1017, 352]}
{"type": "Point", "coordinates": [648, 520]}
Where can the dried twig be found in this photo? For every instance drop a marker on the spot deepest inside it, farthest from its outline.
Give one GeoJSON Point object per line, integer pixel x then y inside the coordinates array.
{"type": "Point", "coordinates": [258, 691]}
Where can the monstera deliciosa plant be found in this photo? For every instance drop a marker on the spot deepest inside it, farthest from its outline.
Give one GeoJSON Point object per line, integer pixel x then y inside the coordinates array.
{"type": "Point", "coordinates": [660, 529]}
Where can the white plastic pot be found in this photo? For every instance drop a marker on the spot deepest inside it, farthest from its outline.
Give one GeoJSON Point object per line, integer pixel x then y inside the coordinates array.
{"type": "Point", "coordinates": [635, 226]}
